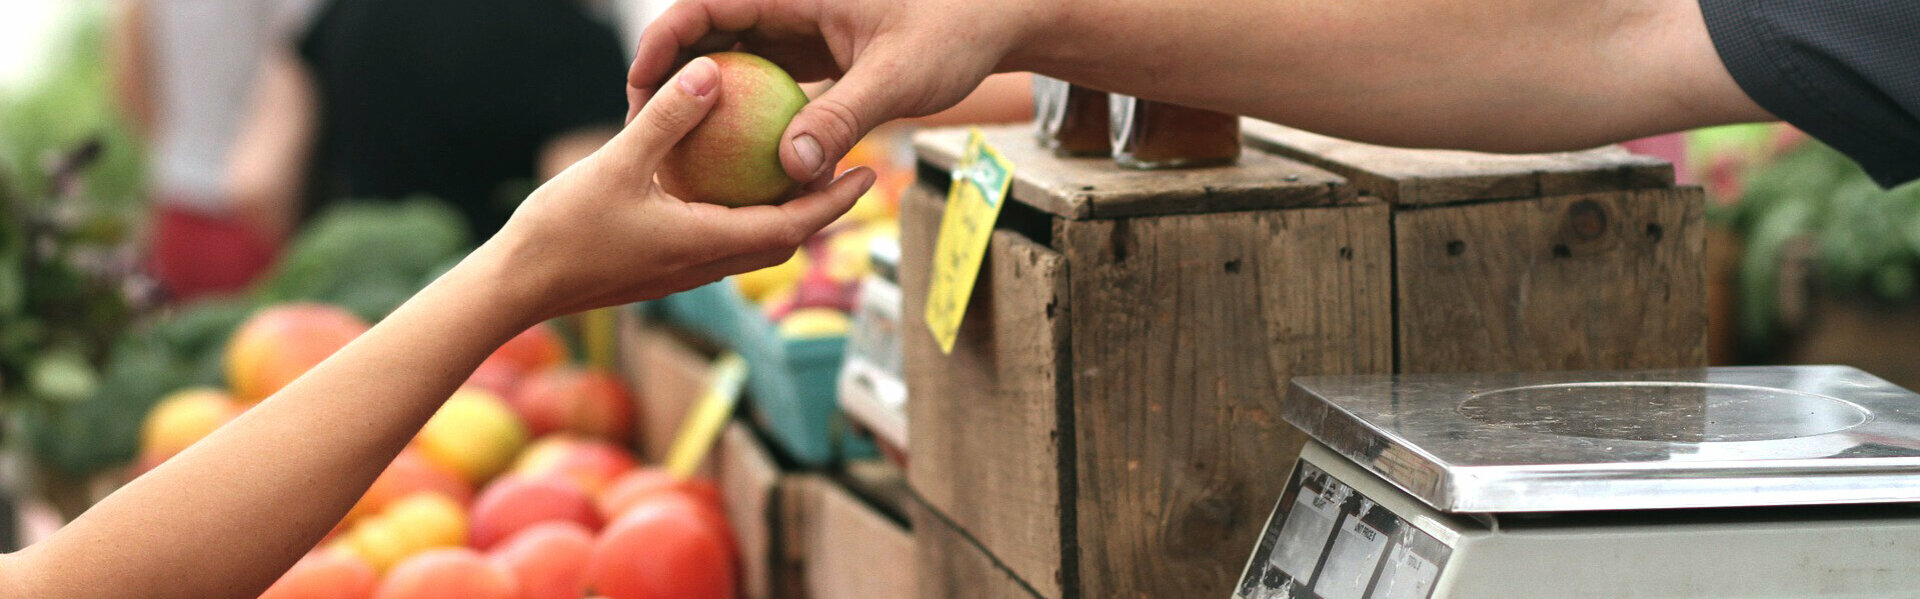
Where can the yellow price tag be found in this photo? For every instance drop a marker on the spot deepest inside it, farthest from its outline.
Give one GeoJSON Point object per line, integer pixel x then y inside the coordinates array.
{"type": "Point", "coordinates": [708, 416]}
{"type": "Point", "coordinates": [979, 189]}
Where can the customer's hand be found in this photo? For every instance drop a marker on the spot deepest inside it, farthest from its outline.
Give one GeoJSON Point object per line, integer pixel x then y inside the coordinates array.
{"type": "Point", "coordinates": [603, 233]}
{"type": "Point", "coordinates": [891, 58]}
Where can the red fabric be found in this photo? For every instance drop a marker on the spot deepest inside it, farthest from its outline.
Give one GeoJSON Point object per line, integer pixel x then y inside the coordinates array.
{"type": "Point", "coordinates": [197, 254]}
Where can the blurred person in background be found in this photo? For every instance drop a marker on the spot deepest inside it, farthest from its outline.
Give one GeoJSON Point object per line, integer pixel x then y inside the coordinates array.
{"type": "Point", "coordinates": [469, 101]}
{"type": "Point", "coordinates": [183, 69]}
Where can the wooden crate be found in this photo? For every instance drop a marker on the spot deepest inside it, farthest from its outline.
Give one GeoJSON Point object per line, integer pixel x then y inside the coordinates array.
{"type": "Point", "coordinates": [666, 374]}
{"type": "Point", "coordinates": [1108, 423]}
{"type": "Point", "coordinates": [1568, 261]}
{"type": "Point", "coordinates": [842, 547]}
{"type": "Point", "coordinates": [948, 564]}
{"type": "Point", "coordinates": [751, 484]}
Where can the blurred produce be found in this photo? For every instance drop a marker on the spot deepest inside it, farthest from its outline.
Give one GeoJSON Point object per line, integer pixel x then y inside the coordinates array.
{"type": "Point", "coordinates": [1811, 216]}
{"type": "Point", "coordinates": [476, 503]}
{"type": "Point", "coordinates": [99, 367]}
{"type": "Point", "coordinates": [802, 295]}
{"type": "Point", "coordinates": [280, 343]}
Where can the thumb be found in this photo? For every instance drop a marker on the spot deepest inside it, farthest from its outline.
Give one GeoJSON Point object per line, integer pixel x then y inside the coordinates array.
{"type": "Point", "coordinates": [829, 125]}
{"type": "Point", "coordinates": [673, 111]}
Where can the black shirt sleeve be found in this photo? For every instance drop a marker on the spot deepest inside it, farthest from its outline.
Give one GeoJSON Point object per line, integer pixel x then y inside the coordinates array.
{"type": "Point", "coordinates": [1845, 71]}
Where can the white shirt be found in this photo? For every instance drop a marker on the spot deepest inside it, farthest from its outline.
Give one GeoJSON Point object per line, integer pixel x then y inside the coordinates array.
{"type": "Point", "coordinates": [205, 54]}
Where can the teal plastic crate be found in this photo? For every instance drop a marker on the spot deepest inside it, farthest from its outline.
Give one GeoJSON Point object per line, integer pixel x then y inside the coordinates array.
{"type": "Point", "coordinates": [791, 383]}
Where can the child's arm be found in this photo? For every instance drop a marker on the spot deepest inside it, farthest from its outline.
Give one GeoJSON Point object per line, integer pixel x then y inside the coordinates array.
{"type": "Point", "coordinates": [227, 516]}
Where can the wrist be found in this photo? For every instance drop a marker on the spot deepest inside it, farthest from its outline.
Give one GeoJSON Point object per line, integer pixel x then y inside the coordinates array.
{"type": "Point", "coordinates": [504, 291]}
{"type": "Point", "coordinates": [1045, 41]}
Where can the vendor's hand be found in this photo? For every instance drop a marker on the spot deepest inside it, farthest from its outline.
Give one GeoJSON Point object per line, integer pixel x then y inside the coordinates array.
{"type": "Point", "coordinates": [892, 58]}
{"type": "Point", "coordinates": [603, 233]}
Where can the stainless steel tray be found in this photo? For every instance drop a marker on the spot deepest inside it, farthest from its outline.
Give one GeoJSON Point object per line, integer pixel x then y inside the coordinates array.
{"type": "Point", "coordinates": [1584, 441]}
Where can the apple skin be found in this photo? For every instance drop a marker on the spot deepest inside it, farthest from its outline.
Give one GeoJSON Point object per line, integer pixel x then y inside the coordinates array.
{"type": "Point", "coordinates": [732, 158]}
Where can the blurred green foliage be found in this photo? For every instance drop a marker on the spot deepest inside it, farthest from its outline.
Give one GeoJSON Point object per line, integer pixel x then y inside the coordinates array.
{"type": "Point", "coordinates": [81, 360]}
{"type": "Point", "coordinates": [1865, 241]}
{"type": "Point", "coordinates": [70, 199]}
{"type": "Point", "coordinates": [70, 105]}
{"type": "Point", "coordinates": [367, 257]}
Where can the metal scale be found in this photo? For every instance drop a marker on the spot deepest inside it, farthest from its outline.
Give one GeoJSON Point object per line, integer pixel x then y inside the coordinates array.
{"type": "Point", "coordinates": [1721, 482]}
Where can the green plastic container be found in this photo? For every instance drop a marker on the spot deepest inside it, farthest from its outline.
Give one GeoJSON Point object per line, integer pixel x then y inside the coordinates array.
{"type": "Point", "coordinates": [791, 383]}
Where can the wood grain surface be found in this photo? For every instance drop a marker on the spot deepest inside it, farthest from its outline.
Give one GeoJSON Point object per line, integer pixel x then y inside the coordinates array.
{"type": "Point", "coordinates": [1412, 176]}
{"type": "Point", "coordinates": [1185, 331]}
{"type": "Point", "coordinates": [1082, 188]}
{"type": "Point", "coordinates": [984, 420]}
{"type": "Point", "coordinates": [1595, 281]}
{"type": "Point", "coordinates": [951, 566]}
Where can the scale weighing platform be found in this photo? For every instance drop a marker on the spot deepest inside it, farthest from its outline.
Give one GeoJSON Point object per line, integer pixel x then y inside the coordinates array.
{"type": "Point", "coordinates": [1719, 482]}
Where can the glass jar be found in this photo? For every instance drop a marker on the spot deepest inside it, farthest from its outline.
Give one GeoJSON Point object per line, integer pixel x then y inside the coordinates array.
{"type": "Point", "coordinates": [1155, 135]}
{"type": "Point", "coordinates": [1072, 119]}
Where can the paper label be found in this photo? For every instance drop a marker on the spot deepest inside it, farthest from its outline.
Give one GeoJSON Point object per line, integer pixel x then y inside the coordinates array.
{"type": "Point", "coordinates": [979, 189]}
{"type": "Point", "coordinates": [708, 416]}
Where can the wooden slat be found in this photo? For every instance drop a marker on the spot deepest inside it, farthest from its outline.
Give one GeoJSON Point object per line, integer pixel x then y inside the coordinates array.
{"type": "Point", "coordinates": [1185, 330]}
{"type": "Point", "coordinates": [1598, 281]}
{"type": "Point", "coordinates": [845, 548]}
{"type": "Point", "coordinates": [1081, 188]}
{"type": "Point", "coordinates": [749, 479]}
{"type": "Point", "coordinates": [1412, 176]}
{"type": "Point", "coordinates": [666, 376]}
{"type": "Point", "coordinates": [949, 566]}
{"type": "Point", "coordinates": [984, 420]}
{"type": "Point", "coordinates": [878, 482]}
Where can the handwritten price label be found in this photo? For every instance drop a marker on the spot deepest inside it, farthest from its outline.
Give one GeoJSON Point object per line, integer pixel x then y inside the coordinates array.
{"type": "Point", "coordinates": [980, 184]}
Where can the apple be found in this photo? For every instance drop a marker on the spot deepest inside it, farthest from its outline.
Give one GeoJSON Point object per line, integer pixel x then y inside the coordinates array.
{"type": "Point", "coordinates": [588, 463]}
{"type": "Point", "coordinates": [536, 348]}
{"type": "Point", "coordinates": [818, 289]}
{"type": "Point", "coordinates": [498, 378]}
{"type": "Point", "coordinates": [416, 523]}
{"type": "Point", "coordinates": [758, 285]}
{"type": "Point", "coordinates": [514, 503]}
{"type": "Point", "coordinates": [278, 344]}
{"type": "Point", "coordinates": [182, 418]}
{"type": "Point", "coordinates": [812, 323]}
{"type": "Point", "coordinates": [641, 483]}
{"type": "Point", "coordinates": [664, 548]}
{"type": "Point", "coordinates": [591, 403]}
{"type": "Point", "coordinates": [647, 485]}
{"type": "Point", "coordinates": [411, 472]}
{"type": "Point", "coordinates": [325, 573]}
{"type": "Point", "coordinates": [474, 433]}
{"type": "Point", "coordinates": [550, 559]}
{"type": "Point", "coordinates": [452, 573]}
{"type": "Point", "coordinates": [732, 158]}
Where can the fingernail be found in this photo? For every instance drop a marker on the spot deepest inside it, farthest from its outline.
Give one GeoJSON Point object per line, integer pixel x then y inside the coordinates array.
{"type": "Point", "coordinates": [808, 151]}
{"type": "Point", "coordinates": [699, 77]}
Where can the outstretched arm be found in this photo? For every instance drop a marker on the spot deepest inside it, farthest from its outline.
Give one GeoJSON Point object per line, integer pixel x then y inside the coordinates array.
{"type": "Point", "coordinates": [1501, 75]}
{"type": "Point", "coordinates": [227, 516]}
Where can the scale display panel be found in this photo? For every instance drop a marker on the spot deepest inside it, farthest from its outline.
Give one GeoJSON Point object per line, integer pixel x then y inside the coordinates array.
{"type": "Point", "coordinates": [1328, 541]}
{"type": "Point", "coordinates": [1724, 483]}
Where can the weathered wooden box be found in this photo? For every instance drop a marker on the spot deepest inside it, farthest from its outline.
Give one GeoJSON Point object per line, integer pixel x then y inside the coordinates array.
{"type": "Point", "coordinates": [840, 546]}
{"type": "Point", "coordinates": [1107, 424]}
{"type": "Point", "coordinates": [1567, 261]}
